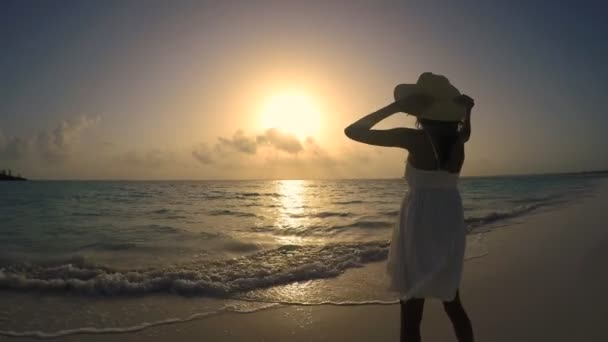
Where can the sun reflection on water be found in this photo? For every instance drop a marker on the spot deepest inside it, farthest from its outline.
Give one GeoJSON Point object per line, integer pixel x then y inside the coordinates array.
{"type": "Point", "coordinates": [293, 202]}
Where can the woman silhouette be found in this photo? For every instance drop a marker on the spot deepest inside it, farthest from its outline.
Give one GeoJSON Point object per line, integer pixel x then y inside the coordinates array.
{"type": "Point", "coordinates": [427, 247]}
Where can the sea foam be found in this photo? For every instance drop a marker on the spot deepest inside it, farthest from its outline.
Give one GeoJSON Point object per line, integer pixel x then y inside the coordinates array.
{"type": "Point", "coordinates": [219, 278]}
{"type": "Point", "coordinates": [137, 327]}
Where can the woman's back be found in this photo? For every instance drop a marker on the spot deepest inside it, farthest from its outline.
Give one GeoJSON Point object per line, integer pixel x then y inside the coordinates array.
{"type": "Point", "coordinates": [430, 179]}
{"type": "Point", "coordinates": [436, 152]}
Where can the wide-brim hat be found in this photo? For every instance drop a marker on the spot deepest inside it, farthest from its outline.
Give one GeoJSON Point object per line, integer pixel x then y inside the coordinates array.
{"type": "Point", "coordinates": [439, 87]}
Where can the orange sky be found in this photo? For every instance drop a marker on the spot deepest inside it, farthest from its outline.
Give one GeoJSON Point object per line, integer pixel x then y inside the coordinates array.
{"type": "Point", "coordinates": [184, 90]}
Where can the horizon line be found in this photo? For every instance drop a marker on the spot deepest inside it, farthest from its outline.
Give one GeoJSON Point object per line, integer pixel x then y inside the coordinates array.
{"type": "Point", "coordinates": [573, 173]}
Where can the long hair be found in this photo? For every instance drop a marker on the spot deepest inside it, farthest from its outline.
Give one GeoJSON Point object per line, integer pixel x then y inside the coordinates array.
{"type": "Point", "coordinates": [444, 134]}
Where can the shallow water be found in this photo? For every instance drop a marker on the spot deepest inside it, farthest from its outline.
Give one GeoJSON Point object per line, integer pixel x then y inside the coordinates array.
{"type": "Point", "coordinates": [216, 238]}
{"type": "Point", "coordinates": [124, 249]}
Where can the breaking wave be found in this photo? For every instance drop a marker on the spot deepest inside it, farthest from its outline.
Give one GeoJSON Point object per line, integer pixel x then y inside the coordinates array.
{"type": "Point", "coordinates": [494, 216]}
{"type": "Point", "coordinates": [219, 278]}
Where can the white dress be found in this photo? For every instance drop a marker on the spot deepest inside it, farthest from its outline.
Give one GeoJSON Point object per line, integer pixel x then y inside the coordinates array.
{"type": "Point", "coordinates": [427, 248]}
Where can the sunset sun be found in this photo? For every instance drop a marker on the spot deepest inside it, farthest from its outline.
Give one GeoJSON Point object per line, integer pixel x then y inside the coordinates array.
{"type": "Point", "coordinates": [291, 112]}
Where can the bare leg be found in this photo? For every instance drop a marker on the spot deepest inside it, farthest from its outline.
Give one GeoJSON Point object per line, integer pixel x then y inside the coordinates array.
{"type": "Point", "coordinates": [411, 316]}
{"type": "Point", "coordinates": [459, 318]}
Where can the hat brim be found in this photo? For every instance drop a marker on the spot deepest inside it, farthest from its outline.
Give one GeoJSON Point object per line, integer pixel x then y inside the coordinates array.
{"type": "Point", "coordinates": [440, 110]}
{"type": "Point", "coordinates": [404, 90]}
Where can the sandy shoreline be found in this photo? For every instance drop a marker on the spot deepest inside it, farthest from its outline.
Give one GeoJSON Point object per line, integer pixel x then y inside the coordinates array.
{"type": "Point", "coordinates": [543, 280]}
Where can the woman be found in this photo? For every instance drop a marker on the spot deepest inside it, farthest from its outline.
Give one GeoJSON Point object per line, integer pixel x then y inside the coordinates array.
{"type": "Point", "coordinates": [427, 247]}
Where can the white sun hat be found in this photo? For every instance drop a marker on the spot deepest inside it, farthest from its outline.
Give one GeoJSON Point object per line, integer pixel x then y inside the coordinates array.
{"type": "Point", "coordinates": [439, 87]}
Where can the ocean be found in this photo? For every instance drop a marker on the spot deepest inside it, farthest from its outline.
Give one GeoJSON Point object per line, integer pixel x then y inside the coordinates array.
{"type": "Point", "coordinates": [210, 246]}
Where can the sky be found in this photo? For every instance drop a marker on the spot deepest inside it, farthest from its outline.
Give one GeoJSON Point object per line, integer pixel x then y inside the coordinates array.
{"type": "Point", "coordinates": [206, 89]}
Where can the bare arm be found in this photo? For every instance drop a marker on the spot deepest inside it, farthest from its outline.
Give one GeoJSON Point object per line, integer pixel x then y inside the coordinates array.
{"type": "Point", "coordinates": [465, 130]}
{"type": "Point", "coordinates": [361, 130]}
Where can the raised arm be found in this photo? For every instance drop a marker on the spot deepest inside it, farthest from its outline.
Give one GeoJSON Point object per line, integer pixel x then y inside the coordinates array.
{"type": "Point", "coordinates": [465, 130]}
{"type": "Point", "coordinates": [361, 130]}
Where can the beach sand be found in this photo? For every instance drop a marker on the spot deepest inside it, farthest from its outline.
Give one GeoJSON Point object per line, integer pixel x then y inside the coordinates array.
{"type": "Point", "coordinates": [544, 279]}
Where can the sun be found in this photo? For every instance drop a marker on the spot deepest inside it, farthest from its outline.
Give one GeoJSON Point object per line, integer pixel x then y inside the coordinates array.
{"type": "Point", "coordinates": [293, 112]}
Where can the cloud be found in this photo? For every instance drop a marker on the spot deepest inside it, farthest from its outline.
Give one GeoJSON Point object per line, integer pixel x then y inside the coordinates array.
{"type": "Point", "coordinates": [318, 153]}
{"type": "Point", "coordinates": [226, 150]}
{"type": "Point", "coordinates": [203, 154]}
{"type": "Point", "coordinates": [239, 142]}
{"type": "Point", "coordinates": [55, 145]}
{"type": "Point", "coordinates": [150, 159]}
{"type": "Point", "coordinates": [13, 148]}
{"type": "Point", "coordinates": [280, 140]}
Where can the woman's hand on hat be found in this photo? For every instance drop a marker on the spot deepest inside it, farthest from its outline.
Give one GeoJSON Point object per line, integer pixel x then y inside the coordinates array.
{"type": "Point", "coordinates": [465, 101]}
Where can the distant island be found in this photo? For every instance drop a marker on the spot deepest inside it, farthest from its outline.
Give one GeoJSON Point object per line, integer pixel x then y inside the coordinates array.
{"type": "Point", "coordinates": [6, 175]}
